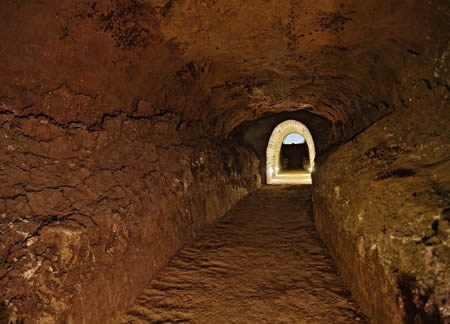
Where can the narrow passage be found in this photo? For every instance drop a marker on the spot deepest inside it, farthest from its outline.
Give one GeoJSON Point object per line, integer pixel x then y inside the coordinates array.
{"type": "Point", "coordinates": [262, 263]}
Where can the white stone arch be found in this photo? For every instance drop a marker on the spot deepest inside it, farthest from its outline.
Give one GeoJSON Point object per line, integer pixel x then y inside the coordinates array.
{"type": "Point", "coordinates": [276, 140]}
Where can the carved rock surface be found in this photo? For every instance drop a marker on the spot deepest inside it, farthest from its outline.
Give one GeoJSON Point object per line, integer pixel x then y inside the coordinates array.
{"type": "Point", "coordinates": [120, 129]}
{"type": "Point", "coordinates": [88, 216]}
{"type": "Point", "coordinates": [382, 204]}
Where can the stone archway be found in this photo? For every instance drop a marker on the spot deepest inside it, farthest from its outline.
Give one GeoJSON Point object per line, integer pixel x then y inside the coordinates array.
{"type": "Point", "coordinates": [276, 140]}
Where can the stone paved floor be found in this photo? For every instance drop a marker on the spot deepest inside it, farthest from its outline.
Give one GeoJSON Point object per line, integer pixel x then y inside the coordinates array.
{"type": "Point", "coordinates": [261, 263]}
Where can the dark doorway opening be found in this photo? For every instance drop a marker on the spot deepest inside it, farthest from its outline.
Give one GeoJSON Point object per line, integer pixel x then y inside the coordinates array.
{"type": "Point", "coordinates": [294, 157]}
{"type": "Point", "coordinates": [294, 154]}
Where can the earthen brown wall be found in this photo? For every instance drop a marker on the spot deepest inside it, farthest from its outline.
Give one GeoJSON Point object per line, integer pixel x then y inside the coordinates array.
{"type": "Point", "coordinates": [87, 216]}
{"type": "Point", "coordinates": [381, 204]}
{"type": "Point", "coordinates": [114, 115]}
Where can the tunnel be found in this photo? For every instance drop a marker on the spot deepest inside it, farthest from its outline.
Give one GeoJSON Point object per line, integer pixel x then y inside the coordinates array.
{"type": "Point", "coordinates": [274, 153]}
{"type": "Point", "coordinates": [143, 177]}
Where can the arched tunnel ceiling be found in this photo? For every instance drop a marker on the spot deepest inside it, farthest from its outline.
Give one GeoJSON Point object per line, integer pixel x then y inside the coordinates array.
{"type": "Point", "coordinates": [220, 62]}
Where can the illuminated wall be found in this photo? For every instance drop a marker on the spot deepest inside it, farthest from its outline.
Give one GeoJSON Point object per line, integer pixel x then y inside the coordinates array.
{"type": "Point", "coordinates": [276, 140]}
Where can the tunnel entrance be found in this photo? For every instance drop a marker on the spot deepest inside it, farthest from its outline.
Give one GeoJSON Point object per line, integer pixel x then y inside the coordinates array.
{"type": "Point", "coordinates": [290, 154]}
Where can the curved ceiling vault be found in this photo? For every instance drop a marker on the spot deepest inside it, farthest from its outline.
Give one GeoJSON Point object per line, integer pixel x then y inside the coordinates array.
{"type": "Point", "coordinates": [119, 121]}
{"type": "Point", "coordinates": [215, 62]}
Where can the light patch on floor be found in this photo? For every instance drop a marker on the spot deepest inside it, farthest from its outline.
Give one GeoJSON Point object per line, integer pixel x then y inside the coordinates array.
{"type": "Point", "coordinates": [292, 177]}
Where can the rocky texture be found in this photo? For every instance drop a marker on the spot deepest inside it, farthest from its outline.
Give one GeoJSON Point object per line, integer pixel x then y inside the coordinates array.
{"type": "Point", "coordinates": [382, 206]}
{"type": "Point", "coordinates": [262, 263]}
{"type": "Point", "coordinates": [208, 60]}
{"type": "Point", "coordinates": [99, 98]}
{"type": "Point", "coordinates": [88, 216]}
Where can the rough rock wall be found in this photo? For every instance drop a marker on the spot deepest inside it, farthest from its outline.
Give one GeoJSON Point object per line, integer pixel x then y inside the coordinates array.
{"type": "Point", "coordinates": [382, 205]}
{"type": "Point", "coordinates": [88, 215]}
{"type": "Point", "coordinates": [79, 66]}
{"type": "Point", "coordinates": [208, 60]}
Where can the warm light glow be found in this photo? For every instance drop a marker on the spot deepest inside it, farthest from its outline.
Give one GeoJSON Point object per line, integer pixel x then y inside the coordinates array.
{"type": "Point", "coordinates": [292, 177]}
{"type": "Point", "coordinates": [297, 131]}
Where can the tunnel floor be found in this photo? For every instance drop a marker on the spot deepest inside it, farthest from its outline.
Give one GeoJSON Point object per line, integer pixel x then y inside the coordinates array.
{"type": "Point", "coordinates": [261, 263]}
{"type": "Point", "coordinates": [292, 177]}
